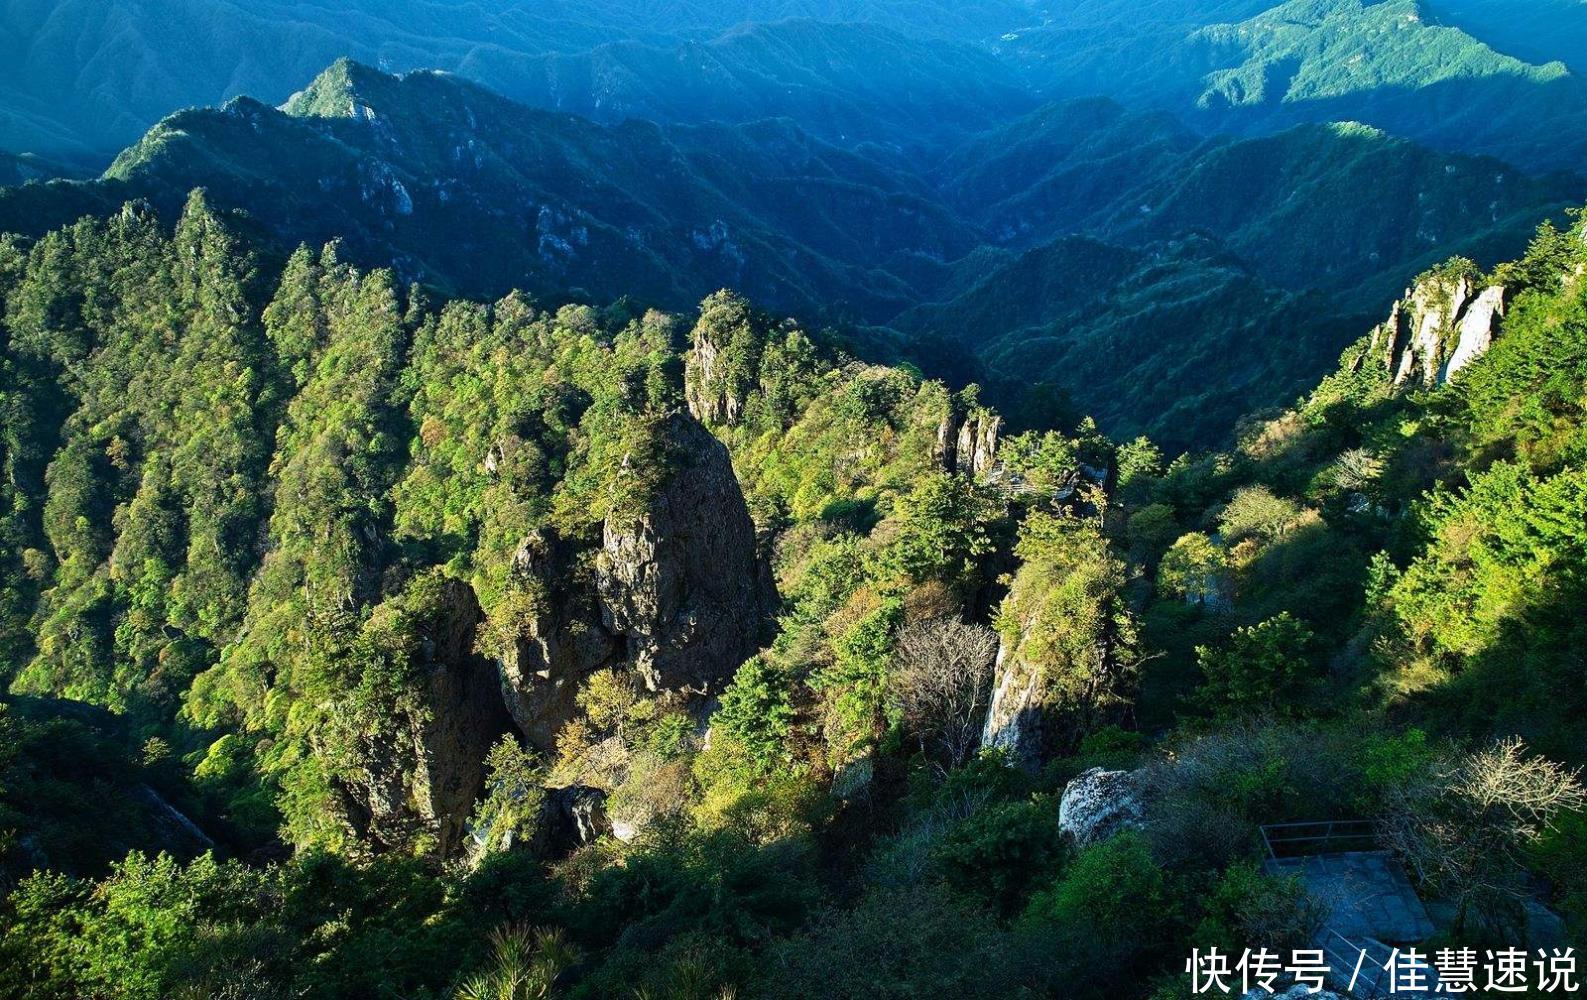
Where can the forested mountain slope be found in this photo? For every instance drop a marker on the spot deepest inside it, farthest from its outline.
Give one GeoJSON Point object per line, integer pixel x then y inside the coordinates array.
{"type": "Point", "coordinates": [1317, 206]}
{"type": "Point", "coordinates": [781, 498]}
{"type": "Point", "coordinates": [88, 77]}
{"type": "Point", "coordinates": [1262, 66]}
{"type": "Point", "coordinates": [462, 189]}
{"type": "Point", "coordinates": [16, 170]}
{"type": "Point", "coordinates": [848, 83]}
{"type": "Point", "coordinates": [376, 580]}
{"type": "Point", "coordinates": [1086, 321]}
{"type": "Point", "coordinates": [1385, 64]}
{"type": "Point", "coordinates": [1540, 32]}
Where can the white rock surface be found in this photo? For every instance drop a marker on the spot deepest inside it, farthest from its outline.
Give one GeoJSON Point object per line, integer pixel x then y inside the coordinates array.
{"type": "Point", "coordinates": [1099, 803]}
{"type": "Point", "coordinates": [1477, 329]}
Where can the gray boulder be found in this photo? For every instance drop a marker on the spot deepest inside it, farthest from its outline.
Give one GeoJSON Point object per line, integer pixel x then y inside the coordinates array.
{"type": "Point", "coordinates": [570, 818]}
{"type": "Point", "coordinates": [1098, 804]}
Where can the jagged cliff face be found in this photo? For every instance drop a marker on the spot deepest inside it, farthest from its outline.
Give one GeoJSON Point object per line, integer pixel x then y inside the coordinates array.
{"type": "Point", "coordinates": [561, 643]}
{"type": "Point", "coordinates": [724, 362]}
{"type": "Point", "coordinates": [1014, 717]}
{"type": "Point", "coordinates": [715, 385]}
{"type": "Point", "coordinates": [424, 774]}
{"type": "Point", "coordinates": [466, 716]}
{"type": "Point", "coordinates": [1442, 325]}
{"type": "Point", "coordinates": [1069, 650]}
{"type": "Point", "coordinates": [967, 442]}
{"type": "Point", "coordinates": [678, 592]}
{"type": "Point", "coordinates": [682, 586]}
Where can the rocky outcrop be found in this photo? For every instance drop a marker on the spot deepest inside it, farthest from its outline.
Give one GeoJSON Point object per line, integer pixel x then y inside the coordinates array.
{"type": "Point", "coordinates": [678, 592]}
{"type": "Point", "coordinates": [570, 818]}
{"type": "Point", "coordinates": [1066, 657]}
{"type": "Point", "coordinates": [561, 641]}
{"type": "Point", "coordinates": [424, 774]}
{"type": "Point", "coordinates": [724, 360]}
{"type": "Point", "coordinates": [1014, 717]}
{"type": "Point", "coordinates": [1477, 329]}
{"type": "Point", "coordinates": [465, 717]}
{"type": "Point", "coordinates": [1441, 325]}
{"type": "Point", "coordinates": [1098, 804]}
{"type": "Point", "coordinates": [854, 778]}
{"type": "Point", "coordinates": [175, 832]}
{"type": "Point", "coordinates": [683, 586]}
{"type": "Point", "coordinates": [967, 442]}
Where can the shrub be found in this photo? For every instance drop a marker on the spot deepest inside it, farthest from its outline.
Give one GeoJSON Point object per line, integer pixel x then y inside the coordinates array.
{"type": "Point", "coordinates": [1264, 668]}
{"type": "Point", "coordinates": [1247, 909]}
{"type": "Point", "coordinates": [1001, 851]}
{"type": "Point", "coordinates": [1112, 901]}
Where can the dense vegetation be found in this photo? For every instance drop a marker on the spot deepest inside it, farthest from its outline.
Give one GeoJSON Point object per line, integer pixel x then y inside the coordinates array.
{"type": "Point", "coordinates": [1402, 65]}
{"type": "Point", "coordinates": [1536, 32]}
{"type": "Point", "coordinates": [780, 508]}
{"type": "Point", "coordinates": [961, 263]}
{"type": "Point", "coordinates": [242, 493]}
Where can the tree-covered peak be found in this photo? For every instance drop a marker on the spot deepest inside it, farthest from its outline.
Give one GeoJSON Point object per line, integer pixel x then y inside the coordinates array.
{"type": "Point", "coordinates": [345, 89]}
{"type": "Point", "coordinates": [1326, 48]}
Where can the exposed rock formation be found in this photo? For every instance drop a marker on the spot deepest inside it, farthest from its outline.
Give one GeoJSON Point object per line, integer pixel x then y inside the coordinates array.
{"type": "Point", "coordinates": [967, 442]}
{"type": "Point", "coordinates": [682, 583]}
{"type": "Point", "coordinates": [465, 717]}
{"type": "Point", "coordinates": [570, 818]}
{"type": "Point", "coordinates": [1477, 328]}
{"type": "Point", "coordinates": [1099, 803]}
{"type": "Point", "coordinates": [1067, 655]}
{"type": "Point", "coordinates": [724, 363]}
{"type": "Point", "coordinates": [1441, 325]}
{"type": "Point", "coordinates": [1014, 718]}
{"type": "Point", "coordinates": [178, 834]}
{"type": "Point", "coordinates": [853, 780]}
{"type": "Point", "coordinates": [679, 592]}
{"type": "Point", "coordinates": [428, 776]}
{"type": "Point", "coordinates": [562, 641]}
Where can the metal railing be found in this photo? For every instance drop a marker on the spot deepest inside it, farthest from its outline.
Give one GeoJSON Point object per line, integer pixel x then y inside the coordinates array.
{"type": "Point", "coordinates": [1291, 840]}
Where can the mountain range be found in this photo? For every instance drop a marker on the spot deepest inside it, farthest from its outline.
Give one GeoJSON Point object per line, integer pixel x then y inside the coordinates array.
{"type": "Point", "coordinates": [461, 188]}
{"type": "Point", "coordinates": [1459, 75]}
{"type": "Point", "coordinates": [783, 498]}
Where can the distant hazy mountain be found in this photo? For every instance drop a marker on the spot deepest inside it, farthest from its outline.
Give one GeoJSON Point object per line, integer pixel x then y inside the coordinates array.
{"type": "Point", "coordinates": [1480, 76]}
{"type": "Point", "coordinates": [845, 82]}
{"type": "Point", "coordinates": [1257, 66]}
{"type": "Point", "coordinates": [92, 75]}
{"type": "Point", "coordinates": [457, 186]}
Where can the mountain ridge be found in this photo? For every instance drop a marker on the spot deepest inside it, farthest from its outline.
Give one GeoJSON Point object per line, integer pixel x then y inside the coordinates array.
{"type": "Point", "coordinates": [462, 188]}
